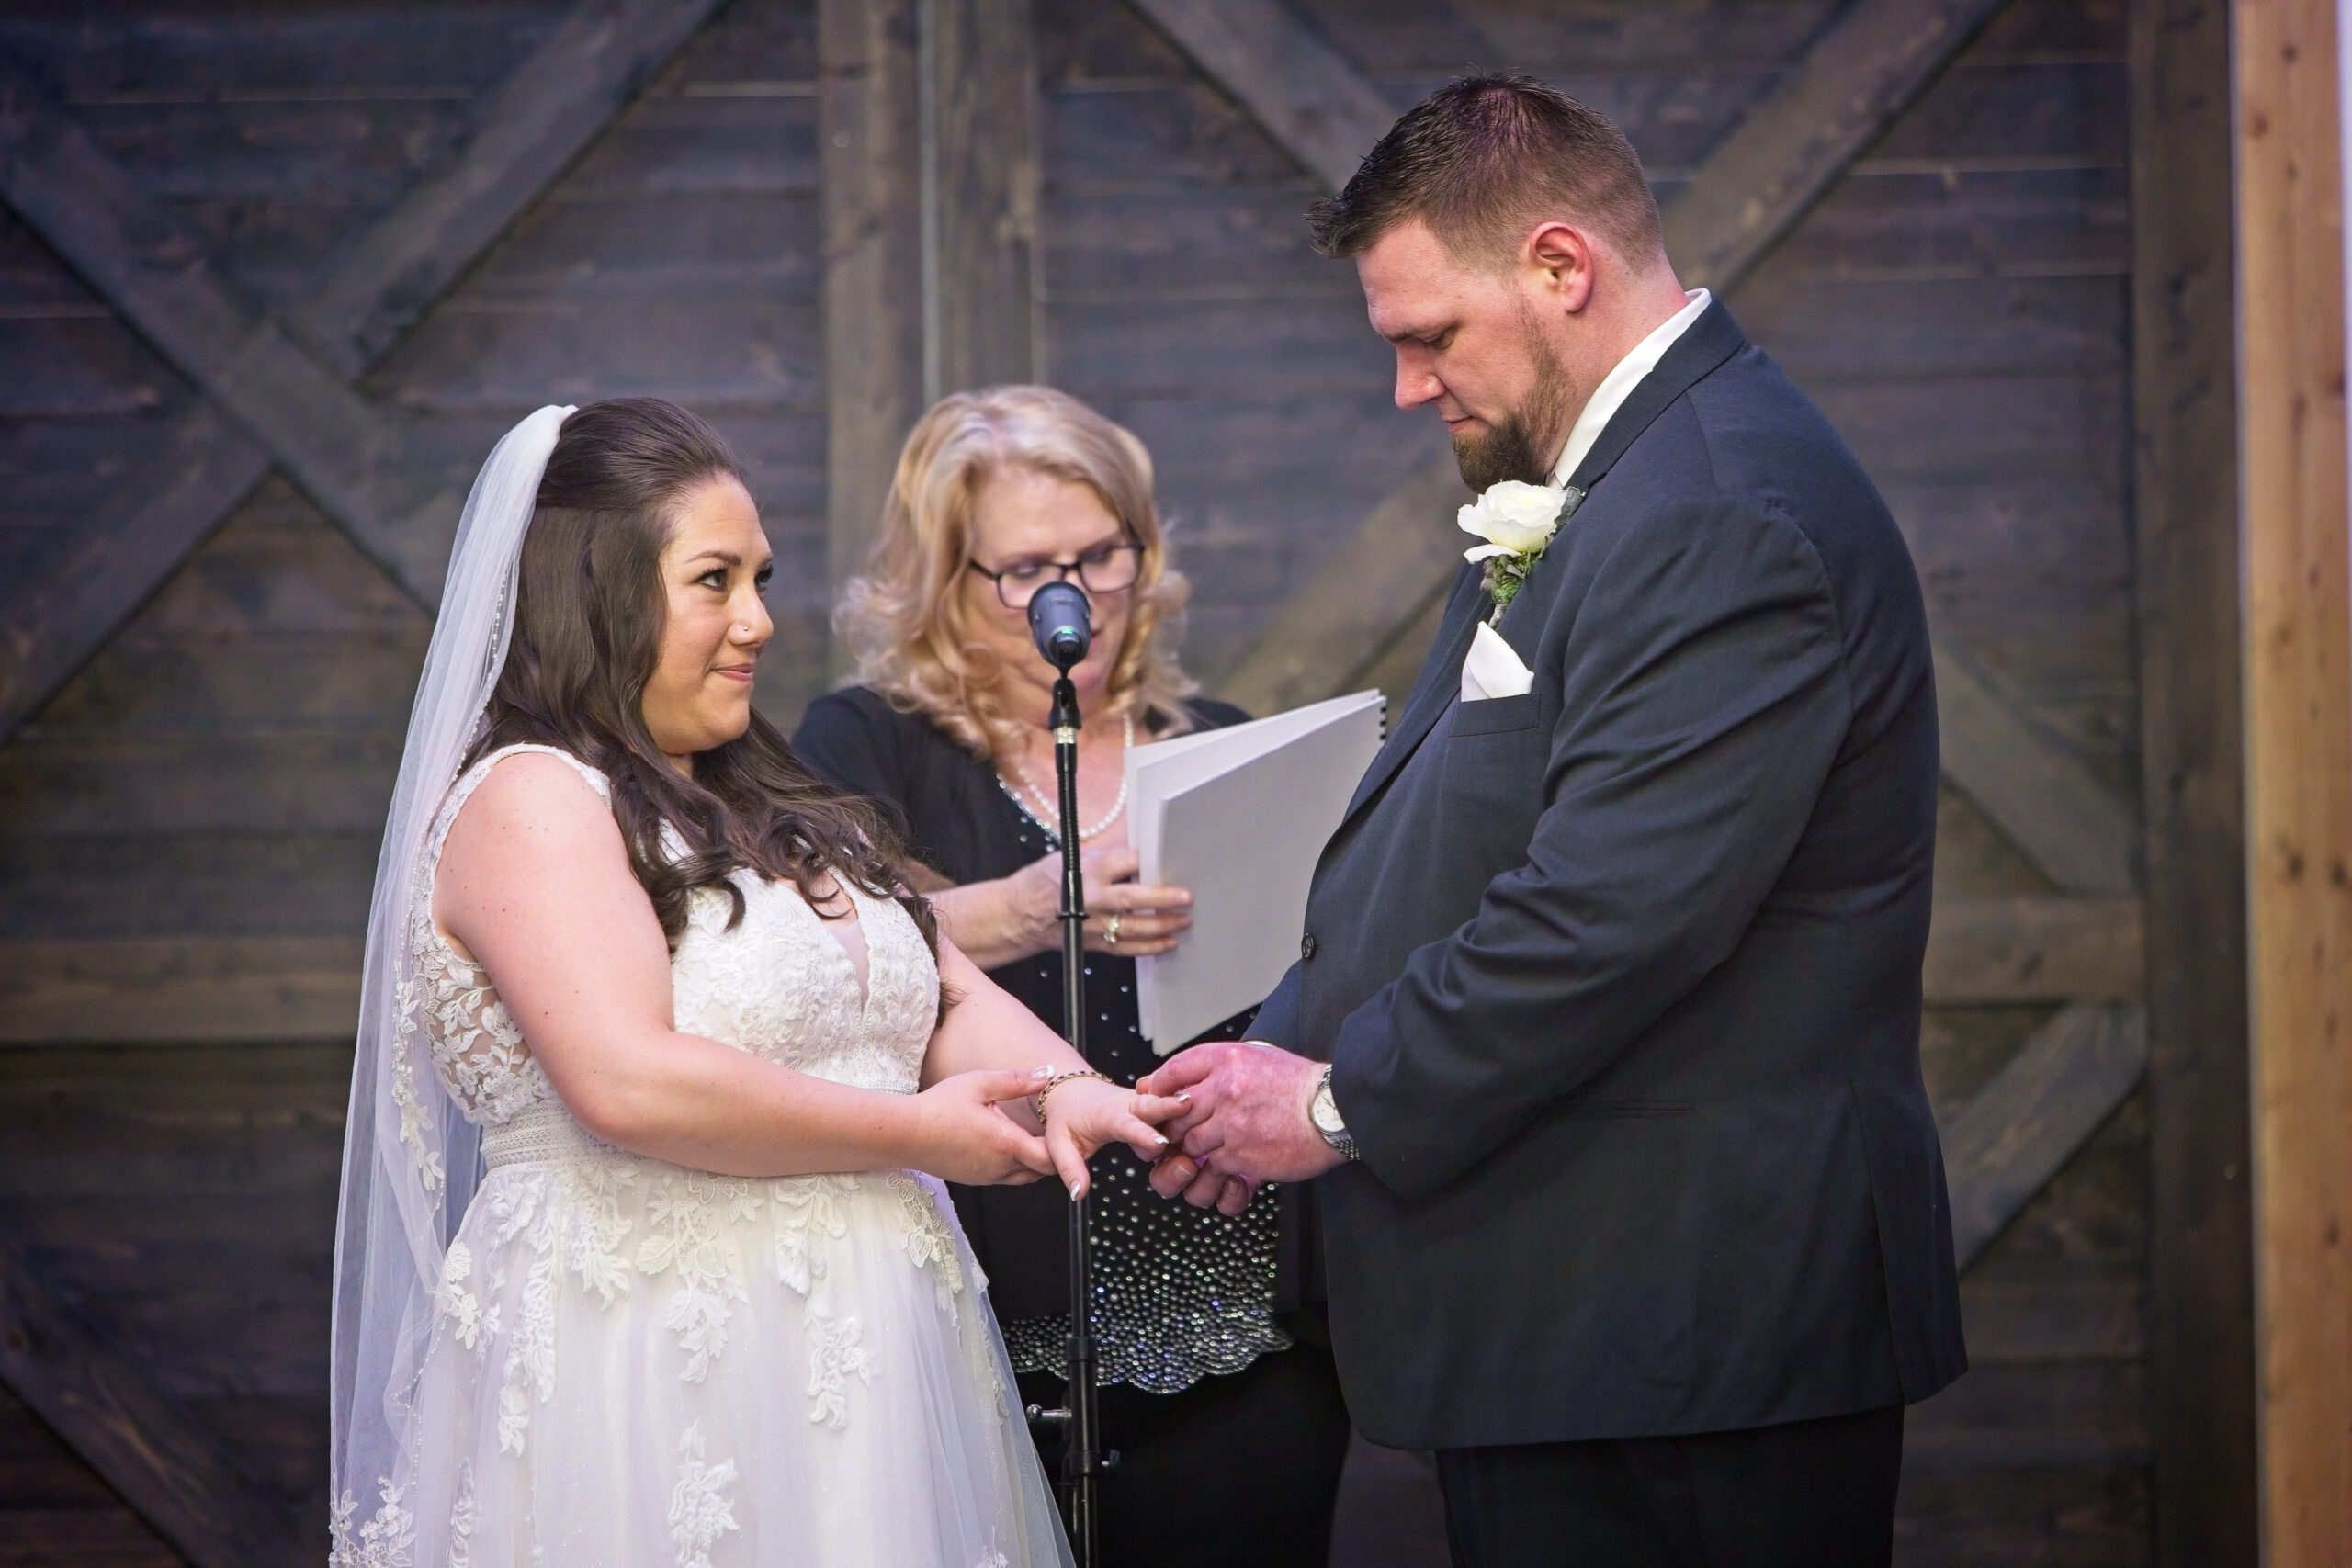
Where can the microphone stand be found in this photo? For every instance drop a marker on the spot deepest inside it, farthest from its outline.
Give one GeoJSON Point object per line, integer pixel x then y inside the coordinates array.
{"type": "Point", "coordinates": [1083, 1459]}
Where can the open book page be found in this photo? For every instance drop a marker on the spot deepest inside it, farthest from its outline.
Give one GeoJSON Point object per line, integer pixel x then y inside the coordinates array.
{"type": "Point", "coordinates": [1239, 817]}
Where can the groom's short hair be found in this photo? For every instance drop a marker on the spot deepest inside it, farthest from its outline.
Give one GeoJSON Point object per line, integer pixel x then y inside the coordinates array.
{"type": "Point", "coordinates": [1483, 159]}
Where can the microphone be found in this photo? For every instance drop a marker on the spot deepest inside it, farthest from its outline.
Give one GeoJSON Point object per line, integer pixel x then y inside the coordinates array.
{"type": "Point", "coordinates": [1060, 624]}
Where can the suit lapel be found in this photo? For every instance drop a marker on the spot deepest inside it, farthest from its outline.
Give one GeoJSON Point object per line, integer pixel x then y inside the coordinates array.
{"type": "Point", "coordinates": [1439, 683]}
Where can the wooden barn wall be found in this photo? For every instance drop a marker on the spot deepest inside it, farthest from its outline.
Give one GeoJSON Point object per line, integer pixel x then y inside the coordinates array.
{"type": "Point", "coordinates": [205, 797]}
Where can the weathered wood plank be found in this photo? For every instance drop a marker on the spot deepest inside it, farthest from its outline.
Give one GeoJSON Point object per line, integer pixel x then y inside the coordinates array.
{"type": "Point", "coordinates": [2064, 1417]}
{"type": "Point", "coordinates": [2200, 1264]}
{"type": "Point", "coordinates": [2016, 1134]}
{"type": "Point", "coordinates": [193, 989]}
{"type": "Point", "coordinates": [982, 180]}
{"type": "Point", "coordinates": [2296, 586]}
{"type": "Point", "coordinates": [1855, 79]}
{"type": "Point", "coordinates": [2040, 792]}
{"type": "Point", "coordinates": [541, 116]}
{"type": "Point", "coordinates": [2033, 949]}
{"type": "Point", "coordinates": [2008, 1517]}
{"type": "Point", "coordinates": [161, 1463]}
{"type": "Point", "coordinates": [1364, 596]}
{"type": "Point", "coordinates": [195, 474]}
{"type": "Point", "coordinates": [871, 137]}
{"type": "Point", "coordinates": [1307, 95]}
{"type": "Point", "coordinates": [148, 263]}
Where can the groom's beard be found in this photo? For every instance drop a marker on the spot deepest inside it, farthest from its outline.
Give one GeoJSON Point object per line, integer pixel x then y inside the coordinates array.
{"type": "Point", "coordinates": [1527, 441]}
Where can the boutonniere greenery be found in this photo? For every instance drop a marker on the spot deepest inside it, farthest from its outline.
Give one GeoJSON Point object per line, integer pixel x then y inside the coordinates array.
{"type": "Point", "coordinates": [1517, 520]}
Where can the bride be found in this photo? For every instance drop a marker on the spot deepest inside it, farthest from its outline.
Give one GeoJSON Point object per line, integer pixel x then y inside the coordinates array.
{"type": "Point", "coordinates": [643, 1256]}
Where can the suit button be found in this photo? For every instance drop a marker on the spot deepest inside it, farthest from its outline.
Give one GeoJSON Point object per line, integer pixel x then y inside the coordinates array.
{"type": "Point", "coordinates": [1307, 946]}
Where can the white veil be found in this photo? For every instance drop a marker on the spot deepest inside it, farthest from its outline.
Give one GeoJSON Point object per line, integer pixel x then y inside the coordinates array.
{"type": "Point", "coordinates": [410, 1160]}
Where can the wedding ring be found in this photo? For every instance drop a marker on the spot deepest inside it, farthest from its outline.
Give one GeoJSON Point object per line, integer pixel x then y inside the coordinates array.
{"type": "Point", "coordinates": [1111, 931]}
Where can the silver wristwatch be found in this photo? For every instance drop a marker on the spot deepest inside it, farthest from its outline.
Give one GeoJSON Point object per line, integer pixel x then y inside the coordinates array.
{"type": "Point", "coordinates": [1324, 1111]}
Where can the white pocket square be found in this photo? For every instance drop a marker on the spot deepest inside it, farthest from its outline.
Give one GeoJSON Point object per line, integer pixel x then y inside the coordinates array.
{"type": "Point", "coordinates": [1492, 670]}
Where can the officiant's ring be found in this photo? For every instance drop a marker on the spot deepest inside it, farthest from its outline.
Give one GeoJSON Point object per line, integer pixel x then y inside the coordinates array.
{"type": "Point", "coordinates": [1111, 929]}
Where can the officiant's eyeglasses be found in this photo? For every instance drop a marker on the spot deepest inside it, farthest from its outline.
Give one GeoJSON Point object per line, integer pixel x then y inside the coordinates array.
{"type": "Point", "coordinates": [1106, 568]}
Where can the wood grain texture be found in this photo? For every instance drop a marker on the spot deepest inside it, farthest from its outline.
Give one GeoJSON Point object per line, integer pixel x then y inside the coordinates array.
{"type": "Point", "coordinates": [186, 989]}
{"type": "Point", "coordinates": [2027, 948]}
{"type": "Point", "coordinates": [2068, 822]}
{"type": "Point", "coordinates": [2014, 1135]}
{"type": "Point", "coordinates": [1306, 95]}
{"type": "Point", "coordinates": [536, 124]}
{"type": "Point", "coordinates": [2200, 1264]}
{"type": "Point", "coordinates": [980, 270]}
{"type": "Point", "coordinates": [181, 488]}
{"type": "Point", "coordinates": [871, 135]}
{"type": "Point", "coordinates": [166, 1467]}
{"type": "Point", "coordinates": [154, 268]}
{"type": "Point", "coordinates": [2298, 729]}
{"type": "Point", "coordinates": [1367, 592]}
{"type": "Point", "coordinates": [1865, 70]}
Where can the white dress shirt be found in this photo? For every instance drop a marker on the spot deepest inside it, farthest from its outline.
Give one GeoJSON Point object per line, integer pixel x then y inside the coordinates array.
{"type": "Point", "coordinates": [1619, 384]}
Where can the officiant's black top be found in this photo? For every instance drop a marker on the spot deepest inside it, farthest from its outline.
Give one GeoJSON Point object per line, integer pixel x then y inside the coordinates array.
{"type": "Point", "coordinates": [1620, 977]}
{"type": "Point", "coordinates": [1183, 1292]}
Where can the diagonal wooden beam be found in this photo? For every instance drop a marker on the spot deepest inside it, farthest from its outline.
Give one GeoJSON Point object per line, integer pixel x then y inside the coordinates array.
{"type": "Point", "coordinates": [534, 126]}
{"type": "Point", "coordinates": [2032, 949]}
{"type": "Point", "coordinates": [1865, 68]}
{"type": "Point", "coordinates": [170, 1470]}
{"type": "Point", "coordinates": [202, 465]}
{"type": "Point", "coordinates": [2078, 829]}
{"type": "Point", "coordinates": [1307, 95]}
{"type": "Point", "coordinates": [154, 268]}
{"type": "Point", "coordinates": [2008, 1141]}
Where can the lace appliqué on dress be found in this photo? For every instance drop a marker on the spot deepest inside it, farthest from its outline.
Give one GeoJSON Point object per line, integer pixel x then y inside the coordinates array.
{"type": "Point", "coordinates": [700, 1511]}
{"type": "Point", "coordinates": [383, 1541]}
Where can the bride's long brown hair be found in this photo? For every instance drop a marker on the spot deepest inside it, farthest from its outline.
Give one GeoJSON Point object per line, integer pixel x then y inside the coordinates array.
{"type": "Point", "coordinates": [589, 613]}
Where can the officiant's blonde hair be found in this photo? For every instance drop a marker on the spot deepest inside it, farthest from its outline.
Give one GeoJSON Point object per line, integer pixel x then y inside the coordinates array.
{"type": "Point", "coordinates": [903, 619]}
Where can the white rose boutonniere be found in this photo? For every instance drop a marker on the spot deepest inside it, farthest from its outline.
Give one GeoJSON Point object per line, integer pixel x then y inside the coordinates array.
{"type": "Point", "coordinates": [1517, 520]}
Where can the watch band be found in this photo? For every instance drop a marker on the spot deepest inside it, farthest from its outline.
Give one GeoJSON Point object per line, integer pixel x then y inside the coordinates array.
{"type": "Point", "coordinates": [1341, 1141]}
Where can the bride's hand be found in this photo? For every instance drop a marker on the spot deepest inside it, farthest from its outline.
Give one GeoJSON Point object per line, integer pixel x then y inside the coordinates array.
{"type": "Point", "coordinates": [1083, 1115]}
{"type": "Point", "coordinates": [964, 1136]}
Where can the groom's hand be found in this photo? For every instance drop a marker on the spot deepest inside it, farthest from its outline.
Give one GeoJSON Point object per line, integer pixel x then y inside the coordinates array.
{"type": "Point", "coordinates": [1247, 1122]}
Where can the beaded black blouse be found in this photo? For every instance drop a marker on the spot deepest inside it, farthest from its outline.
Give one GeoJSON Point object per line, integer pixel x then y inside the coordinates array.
{"type": "Point", "coordinates": [1180, 1294]}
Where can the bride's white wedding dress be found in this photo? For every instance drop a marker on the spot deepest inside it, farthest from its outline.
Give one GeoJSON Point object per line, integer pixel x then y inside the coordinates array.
{"type": "Point", "coordinates": [634, 1363]}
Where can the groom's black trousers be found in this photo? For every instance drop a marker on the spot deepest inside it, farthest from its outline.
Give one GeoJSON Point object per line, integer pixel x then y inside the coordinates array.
{"type": "Point", "coordinates": [1807, 1495]}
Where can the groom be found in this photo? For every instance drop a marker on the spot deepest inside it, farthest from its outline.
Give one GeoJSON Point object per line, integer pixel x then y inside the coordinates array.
{"type": "Point", "coordinates": [1633, 1209]}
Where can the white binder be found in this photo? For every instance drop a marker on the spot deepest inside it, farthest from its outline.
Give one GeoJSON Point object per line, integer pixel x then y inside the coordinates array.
{"type": "Point", "coordinates": [1239, 817]}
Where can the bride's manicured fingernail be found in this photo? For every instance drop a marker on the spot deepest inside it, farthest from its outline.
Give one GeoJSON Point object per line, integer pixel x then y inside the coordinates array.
{"type": "Point", "coordinates": [1043, 1073]}
{"type": "Point", "coordinates": [1163, 1140]}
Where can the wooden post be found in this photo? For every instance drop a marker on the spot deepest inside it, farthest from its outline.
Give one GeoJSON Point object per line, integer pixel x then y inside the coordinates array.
{"type": "Point", "coordinates": [981, 195]}
{"type": "Point", "coordinates": [873, 249]}
{"type": "Point", "coordinates": [2200, 1246]}
{"type": "Point", "coordinates": [927, 114]}
{"type": "Point", "coordinates": [2298, 764]}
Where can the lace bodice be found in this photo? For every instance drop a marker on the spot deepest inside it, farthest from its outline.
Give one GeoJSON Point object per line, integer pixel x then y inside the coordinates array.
{"type": "Point", "coordinates": [777, 984]}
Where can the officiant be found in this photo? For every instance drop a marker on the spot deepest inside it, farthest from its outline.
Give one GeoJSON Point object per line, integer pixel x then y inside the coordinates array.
{"type": "Point", "coordinates": [1215, 1385]}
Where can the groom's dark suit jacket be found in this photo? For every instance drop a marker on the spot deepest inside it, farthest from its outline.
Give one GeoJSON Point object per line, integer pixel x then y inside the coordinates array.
{"type": "Point", "coordinates": [1621, 978]}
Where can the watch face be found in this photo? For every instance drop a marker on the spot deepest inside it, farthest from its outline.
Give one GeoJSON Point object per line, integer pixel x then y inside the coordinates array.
{"type": "Point", "coordinates": [1324, 1111]}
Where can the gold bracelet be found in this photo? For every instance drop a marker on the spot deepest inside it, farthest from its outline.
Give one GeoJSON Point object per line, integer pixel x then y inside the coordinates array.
{"type": "Point", "coordinates": [1037, 1101]}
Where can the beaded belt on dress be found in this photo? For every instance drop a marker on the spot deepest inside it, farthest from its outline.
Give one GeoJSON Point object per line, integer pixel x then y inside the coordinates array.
{"type": "Point", "coordinates": [543, 1132]}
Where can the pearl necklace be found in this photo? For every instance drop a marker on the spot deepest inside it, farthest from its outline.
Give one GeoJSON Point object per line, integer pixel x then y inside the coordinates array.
{"type": "Point", "coordinates": [1046, 812]}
